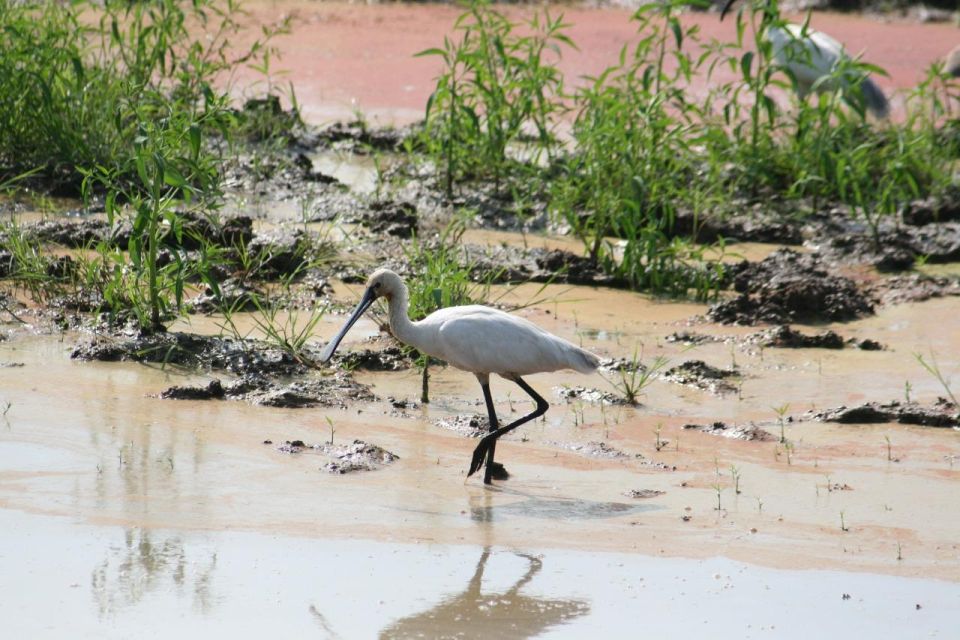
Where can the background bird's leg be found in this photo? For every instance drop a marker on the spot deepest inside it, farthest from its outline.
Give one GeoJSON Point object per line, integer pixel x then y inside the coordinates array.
{"type": "Point", "coordinates": [489, 441]}
{"type": "Point", "coordinates": [494, 424]}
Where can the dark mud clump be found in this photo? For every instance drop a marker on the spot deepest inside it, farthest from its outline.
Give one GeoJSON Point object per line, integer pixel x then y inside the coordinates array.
{"type": "Point", "coordinates": [785, 337]}
{"type": "Point", "coordinates": [357, 456]}
{"type": "Point", "coordinates": [339, 390]}
{"type": "Point", "coordinates": [567, 267]}
{"type": "Point", "coordinates": [898, 249]}
{"type": "Point", "coordinates": [471, 426]}
{"type": "Point", "coordinates": [942, 413]}
{"type": "Point", "coordinates": [214, 390]}
{"type": "Point", "coordinates": [700, 375]}
{"type": "Point", "coordinates": [757, 226]}
{"type": "Point", "coordinates": [643, 494]}
{"type": "Point", "coordinates": [742, 432]}
{"type": "Point", "coordinates": [390, 358]}
{"type": "Point", "coordinates": [238, 357]}
{"type": "Point", "coordinates": [232, 293]}
{"type": "Point", "coordinates": [281, 253]}
{"type": "Point", "coordinates": [693, 338]}
{"type": "Point", "coordinates": [930, 211]}
{"type": "Point", "coordinates": [593, 449]}
{"type": "Point", "coordinates": [268, 375]}
{"type": "Point", "coordinates": [506, 263]}
{"type": "Point", "coordinates": [358, 137]}
{"type": "Point", "coordinates": [913, 287]}
{"type": "Point", "coordinates": [194, 231]}
{"type": "Point", "coordinates": [789, 287]}
{"type": "Point", "coordinates": [397, 219]}
{"type": "Point", "coordinates": [585, 394]}
{"type": "Point", "coordinates": [344, 458]}
{"type": "Point", "coordinates": [327, 391]}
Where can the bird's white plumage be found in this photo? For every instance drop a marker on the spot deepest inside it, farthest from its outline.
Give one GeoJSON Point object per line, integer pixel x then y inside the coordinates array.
{"type": "Point", "coordinates": [476, 338]}
{"type": "Point", "coordinates": [812, 55]}
{"type": "Point", "coordinates": [484, 340]}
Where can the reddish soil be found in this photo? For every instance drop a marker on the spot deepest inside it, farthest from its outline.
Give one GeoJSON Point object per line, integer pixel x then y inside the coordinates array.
{"type": "Point", "coordinates": [347, 58]}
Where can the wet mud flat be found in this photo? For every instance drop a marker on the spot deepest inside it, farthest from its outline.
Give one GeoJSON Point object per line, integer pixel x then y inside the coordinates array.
{"type": "Point", "coordinates": [791, 414]}
{"type": "Point", "coordinates": [791, 427]}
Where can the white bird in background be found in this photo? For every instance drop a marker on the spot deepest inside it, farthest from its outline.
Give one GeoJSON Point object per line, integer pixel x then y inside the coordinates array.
{"type": "Point", "coordinates": [812, 56]}
{"type": "Point", "coordinates": [952, 63]}
{"type": "Point", "coordinates": [477, 339]}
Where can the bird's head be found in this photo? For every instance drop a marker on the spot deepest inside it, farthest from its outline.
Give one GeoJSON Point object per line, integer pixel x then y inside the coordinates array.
{"type": "Point", "coordinates": [382, 283]}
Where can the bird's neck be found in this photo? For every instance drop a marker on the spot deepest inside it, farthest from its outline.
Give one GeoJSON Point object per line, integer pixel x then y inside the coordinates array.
{"type": "Point", "coordinates": [400, 325]}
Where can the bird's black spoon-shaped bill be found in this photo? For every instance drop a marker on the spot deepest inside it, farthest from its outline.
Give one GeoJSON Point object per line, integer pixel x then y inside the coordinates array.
{"type": "Point", "coordinates": [368, 297]}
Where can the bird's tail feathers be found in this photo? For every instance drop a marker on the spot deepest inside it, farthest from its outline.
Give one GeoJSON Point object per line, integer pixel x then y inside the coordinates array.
{"type": "Point", "coordinates": [583, 361]}
{"type": "Point", "coordinates": [874, 98]}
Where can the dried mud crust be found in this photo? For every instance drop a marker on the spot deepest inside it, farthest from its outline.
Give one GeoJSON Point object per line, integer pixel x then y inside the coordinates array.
{"type": "Point", "coordinates": [85, 232]}
{"type": "Point", "coordinates": [587, 394]}
{"type": "Point", "coordinates": [266, 375]}
{"type": "Point", "coordinates": [343, 458]}
{"type": "Point", "coordinates": [785, 337]}
{"type": "Point", "coordinates": [507, 263]}
{"type": "Point", "coordinates": [737, 432]}
{"type": "Point", "coordinates": [896, 248]}
{"type": "Point", "coordinates": [790, 287]}
{"type": "Point", "coordinates": [941, 413]}
{"type": "Point", "coordinates": [700, 375]}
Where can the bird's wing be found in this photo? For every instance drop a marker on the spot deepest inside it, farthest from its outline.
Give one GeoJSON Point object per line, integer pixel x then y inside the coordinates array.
{"type": "Point", "coordinates": [808, 55]}
{"type": "Point", "coordinates": [485, 340]}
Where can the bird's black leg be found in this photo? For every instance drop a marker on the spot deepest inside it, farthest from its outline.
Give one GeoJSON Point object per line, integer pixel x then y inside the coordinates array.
{"type": "Point", "coordinates": [494, 424]}
{"type": "Point", "coordinates": [490, 440]}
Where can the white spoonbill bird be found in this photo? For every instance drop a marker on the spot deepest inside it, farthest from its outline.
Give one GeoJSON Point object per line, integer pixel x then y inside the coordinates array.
{"type": "Point", "coordinates": [477, 339]}
{"type": "Point", "coordinates": [952, 62]}
{"type": "Point", "coordinates": [812, 56]}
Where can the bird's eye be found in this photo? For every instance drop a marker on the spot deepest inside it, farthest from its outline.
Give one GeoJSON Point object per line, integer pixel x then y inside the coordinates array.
{"type": "Point", "coordinates": [376, 285]}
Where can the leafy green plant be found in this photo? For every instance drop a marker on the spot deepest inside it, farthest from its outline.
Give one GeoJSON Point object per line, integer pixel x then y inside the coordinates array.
{"type": "Point", "coordinates": [635, 162]}
{"type": "Point", "coordinates": [781, 412]}
{"type": "Point", "coordinates": [496, 85]}
{"type": "Point", "coordinates": [633, 377]}
{"type": "Point", "coordinates": [934, 369]}
{"type": "Point", "coordinates": [81, 77]}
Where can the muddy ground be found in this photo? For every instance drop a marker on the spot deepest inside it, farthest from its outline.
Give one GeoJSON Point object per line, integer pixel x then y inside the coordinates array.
{"type": "Point", "coordinates": [791, 426]}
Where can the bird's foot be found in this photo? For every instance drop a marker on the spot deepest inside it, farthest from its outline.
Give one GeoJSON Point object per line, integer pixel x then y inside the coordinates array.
{"type": "Point", "coordinates": [497, 471]}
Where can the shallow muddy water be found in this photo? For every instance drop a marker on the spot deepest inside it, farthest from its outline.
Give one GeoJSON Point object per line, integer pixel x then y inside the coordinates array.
{"type": "Point", "coordinates": [119, 509]}
{"type": "Point", "coordinates": [119, 582]}
{"type": "Point", "coordinates": [147, 506]}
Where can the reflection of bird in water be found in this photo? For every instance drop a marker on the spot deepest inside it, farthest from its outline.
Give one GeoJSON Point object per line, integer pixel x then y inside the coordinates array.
{"type": "Point", "coordinates": [812, 57]}
{"type": "Point", "coordinates": [474, 614]}
{"type": "Point", "coordinates": [477, 339]}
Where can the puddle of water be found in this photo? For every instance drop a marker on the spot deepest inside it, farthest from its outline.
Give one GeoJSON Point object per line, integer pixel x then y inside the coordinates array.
{"type": "Point", "coordinates": [188, 491]}
{"type": "Point", "coordinates": [359, 172]}
{"type": "Point", "coordinates": [118, 581]}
